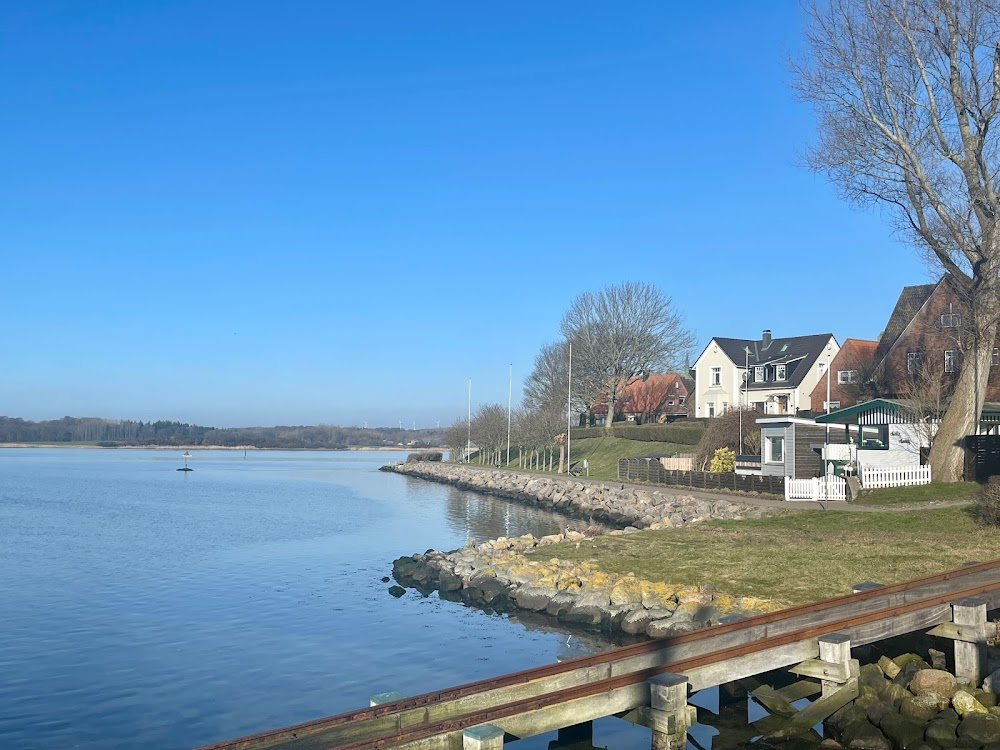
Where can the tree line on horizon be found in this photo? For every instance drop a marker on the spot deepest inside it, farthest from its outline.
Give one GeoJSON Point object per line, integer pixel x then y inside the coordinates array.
{"type": "Point", "coordinates": [128, 432]}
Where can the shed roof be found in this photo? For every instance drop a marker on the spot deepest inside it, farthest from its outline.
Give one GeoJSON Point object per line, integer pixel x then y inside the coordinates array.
{"type": "Point", "coordinates": [888, 407]}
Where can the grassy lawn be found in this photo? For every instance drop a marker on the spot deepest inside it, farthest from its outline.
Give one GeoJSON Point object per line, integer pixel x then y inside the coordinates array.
{"type": "Point", "coordinates": [935, 491]}
{"type": "Point", "coordinates": [793, 558]}
{"type": "Point", "coordinates": [603, 453]}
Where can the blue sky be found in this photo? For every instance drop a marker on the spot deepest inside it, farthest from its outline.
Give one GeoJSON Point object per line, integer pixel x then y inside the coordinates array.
{"type": "Point", "coordinates": [242, 213]}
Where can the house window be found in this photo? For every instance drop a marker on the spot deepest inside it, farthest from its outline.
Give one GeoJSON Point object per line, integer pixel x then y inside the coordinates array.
{"type": "Point", "coordinates": [995, 357]}
{"type": "Point", "coordinates": [758, 374]}
{"type": "Point", "coordinates": [873, 437]}
{"type": "Point", "coordinates": [912, 363]}
{"type": "Point", "coordinates": [822, 368]}
{"type": "Point", "coordinates": [681, 401]}
{"type": "Point", "coordinates": [831, 405]}
{"type": "Point", "coordinates": [716, 376]}
{"type": "Point", "coordinates": [725, 406]}
{"type": "Point", "coordinates": [775, 450]}
{"type": "Point", "coordinates": [779, 372]}
{"type": "Point", "coordinates": [847, 376]}
{"type": "Point", "coordinates": [758, 406]}
{"type": "Point", "coordinates": [711, 408]}
{"type": "Point", "coordinates": [950, 360]}
{"type": "Point", "coordinates": [670, 402]}
{"type": "Point", "coordinates": [951, 319]}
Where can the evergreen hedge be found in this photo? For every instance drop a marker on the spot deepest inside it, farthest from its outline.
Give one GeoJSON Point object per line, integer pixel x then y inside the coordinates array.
{"type": "Point", "coordinates": [684, 433]}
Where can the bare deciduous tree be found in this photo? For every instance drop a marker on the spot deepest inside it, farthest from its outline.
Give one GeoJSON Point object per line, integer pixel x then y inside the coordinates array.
{"type": "Point", "coordinates": [619, 335]}
{"type": "Point", "coordinates": [907, 94]}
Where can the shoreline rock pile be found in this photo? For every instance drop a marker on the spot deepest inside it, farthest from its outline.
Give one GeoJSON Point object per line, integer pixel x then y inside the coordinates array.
{"type": "Point", "coordinates": [906, 702]}
{"type": "Point", "coordinates": [638, 508]}
{"type": "Point", "coordinates": [496, 575]}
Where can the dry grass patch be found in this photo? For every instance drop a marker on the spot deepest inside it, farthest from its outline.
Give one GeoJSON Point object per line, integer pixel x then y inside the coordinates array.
{"type": "Point", "coordinates": [793, 558]}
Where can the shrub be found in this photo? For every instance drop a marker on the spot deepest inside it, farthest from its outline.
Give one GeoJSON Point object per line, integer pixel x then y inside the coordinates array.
{"type": "Point", "coordinates": [986, 503]}
{"type": "Point", "coordinates": [415, 457]}
{"type": "Point", "coordinates": [724, 460]}
{"type": "Point", "coordinates": [724, 432]}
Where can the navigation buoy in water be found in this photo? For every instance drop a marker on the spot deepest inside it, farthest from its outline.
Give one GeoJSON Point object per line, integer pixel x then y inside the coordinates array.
{"type": "Point", "coordinates": [186, 456]}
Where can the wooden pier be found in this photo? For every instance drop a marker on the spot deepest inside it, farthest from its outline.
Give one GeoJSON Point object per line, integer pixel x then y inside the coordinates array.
{"type": "Point", "coordinates": [649, 683]}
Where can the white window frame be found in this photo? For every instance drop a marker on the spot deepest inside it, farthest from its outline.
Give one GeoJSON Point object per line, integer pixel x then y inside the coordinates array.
{"type": "Point", "coordinates": [995, 357]}
{"type": "Point", "coordinates": [847, 376]}
{"type": "Point", "coordinates": [716, 376]}
{"type": "Point", "coordinates": [781, 372]}
{"type": "Point", "coordinates": [710, 409]}
{"type": "Point", "coordinates": [913, 362]}
{"type": "Point", "coordinates": [758, 374]}
{"type": "Point", "coordinates": [771, 441]}
{"type": "Point", "coordinates": [951, 360]}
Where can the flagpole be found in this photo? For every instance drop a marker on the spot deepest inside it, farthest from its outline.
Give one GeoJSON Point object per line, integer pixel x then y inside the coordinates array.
{"type": "Point", "coordinates": [510, 391]}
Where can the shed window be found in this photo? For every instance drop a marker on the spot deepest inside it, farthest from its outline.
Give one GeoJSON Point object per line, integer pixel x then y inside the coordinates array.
{"type": "Point", "coordinates": [873, 437]}
{"type": "Point", "coordinates": [775, 450]}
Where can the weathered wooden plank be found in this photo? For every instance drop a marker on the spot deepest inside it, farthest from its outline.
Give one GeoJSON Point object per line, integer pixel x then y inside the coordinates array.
{"type": "Point", "coordinates": [774, 701]}
{"type": "Point", "coordinates": [738, 667]}
{"type": "Point", "coordinates": [798, 690]}
{"type": "Point", "coordinates": [822, 670]}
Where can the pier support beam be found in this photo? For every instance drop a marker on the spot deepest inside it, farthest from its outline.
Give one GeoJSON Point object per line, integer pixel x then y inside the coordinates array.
{"type": "Point", "coordinates": [482, 737]}
{"type": "Point", "coordinates": [669, 711]}
{"type": "Point", "coordinates": [970, 655]}
{"type": "Point", "coordinates": [836, 649]}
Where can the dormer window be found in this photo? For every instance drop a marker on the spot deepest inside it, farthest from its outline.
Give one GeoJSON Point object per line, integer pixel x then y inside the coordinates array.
{"type": "Point", "coordinates": [779, 372]}
{"type": "Point", "coordinates": [758, 374]}
{"type": "Point", "coordinates": [950, 318]}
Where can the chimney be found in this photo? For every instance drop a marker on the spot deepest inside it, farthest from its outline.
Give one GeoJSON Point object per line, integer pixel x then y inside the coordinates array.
{"type": "Point", "coordinates": [765, 338]}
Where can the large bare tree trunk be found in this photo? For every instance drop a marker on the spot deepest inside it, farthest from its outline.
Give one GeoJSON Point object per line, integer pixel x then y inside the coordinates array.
{"type": "Point", "coordinates": [610, 421]}
{"type": "Point", "coordinates": [947, 458]}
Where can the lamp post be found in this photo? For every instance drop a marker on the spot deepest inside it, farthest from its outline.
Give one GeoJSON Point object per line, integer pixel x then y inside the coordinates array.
{"type": "Point", "coordinates": [468, 443]}
{"type": "Point", "coordinates": [569, 403]}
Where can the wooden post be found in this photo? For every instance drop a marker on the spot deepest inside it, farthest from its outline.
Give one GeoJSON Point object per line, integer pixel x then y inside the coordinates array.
{"type": "Point", "coordinates": [970, 656]}
{"type": "Point", "coordinates": [835, 648]}
{"type": "Point", "coordinates": [668, 702]}
{"type": "Point", "coordinates": [482, 737]}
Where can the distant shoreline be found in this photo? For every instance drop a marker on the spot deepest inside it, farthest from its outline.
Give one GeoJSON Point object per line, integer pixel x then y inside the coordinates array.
{"type": "Point", "coordinates": [209, 447]}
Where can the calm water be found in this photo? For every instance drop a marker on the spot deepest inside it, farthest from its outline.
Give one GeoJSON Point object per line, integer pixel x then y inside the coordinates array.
{"type": "Point", "coordinates": [145, 607]}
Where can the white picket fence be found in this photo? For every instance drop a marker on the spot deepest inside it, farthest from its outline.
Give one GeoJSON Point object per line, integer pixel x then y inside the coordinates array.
{"type": "Point", "coordinates": [877, 477]}
{"type": "Point", "coordinates": [826, 487]}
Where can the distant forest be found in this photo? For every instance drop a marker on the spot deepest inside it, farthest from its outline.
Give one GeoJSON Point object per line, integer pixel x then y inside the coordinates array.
{"type": "Point", "coordinates": [108, 433]}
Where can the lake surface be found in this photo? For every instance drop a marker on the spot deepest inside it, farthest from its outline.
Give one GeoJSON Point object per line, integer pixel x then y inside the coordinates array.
{"type": "Point", "coordinates": [141, 606]}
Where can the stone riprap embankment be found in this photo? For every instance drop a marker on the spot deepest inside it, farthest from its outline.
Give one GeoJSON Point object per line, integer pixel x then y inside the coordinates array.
{"type": "Point", "coordinates": [619, 507]}
{"type": "Point", "coordinates": [496, 575]}
{"type": "Point", "coordinates": [911, 702]}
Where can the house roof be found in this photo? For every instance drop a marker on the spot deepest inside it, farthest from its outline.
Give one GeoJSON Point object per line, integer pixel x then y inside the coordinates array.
{"type": "Point", "coordinates": [849, 415]}
{"type": "Point", "coordinates": [798, 351]}
{"type": "Point", "coordinates": [911, 299]}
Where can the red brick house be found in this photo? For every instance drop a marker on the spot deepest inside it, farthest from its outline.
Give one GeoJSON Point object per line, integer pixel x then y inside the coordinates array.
{"type": "Point", "coordinates": [659, 398]}
{"type": "Point", "coordinates": [850, 370]}
{"type": "Point", "coordinates": [922, 344]}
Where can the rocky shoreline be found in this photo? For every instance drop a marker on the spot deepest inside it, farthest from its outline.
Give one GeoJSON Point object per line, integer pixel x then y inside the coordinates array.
{"type": "Point", "coordinates": [614, 506]}
{"type": "Point", "coordinates": [911, 703]}
{"type": "Point", "coordinates": [496, 576]}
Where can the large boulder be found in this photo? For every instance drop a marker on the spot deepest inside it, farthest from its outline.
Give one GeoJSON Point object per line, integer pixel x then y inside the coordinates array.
{"type": "Point", "coordinates": [533, 598]}
{"type": "Point", "coordinates": [979, 728]}
{"type": "Point", "coordinates": [966, 704]}
{"type": "Point", "coordinates": [903, 732]}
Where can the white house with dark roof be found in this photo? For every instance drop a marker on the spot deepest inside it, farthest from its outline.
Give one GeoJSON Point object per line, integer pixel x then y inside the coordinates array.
{"type": "Point", "coordinates": [775, 376]}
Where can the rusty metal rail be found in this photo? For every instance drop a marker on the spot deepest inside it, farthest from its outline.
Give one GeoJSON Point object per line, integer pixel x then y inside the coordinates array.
{"type": "Point", "coordinates": [682, 653]}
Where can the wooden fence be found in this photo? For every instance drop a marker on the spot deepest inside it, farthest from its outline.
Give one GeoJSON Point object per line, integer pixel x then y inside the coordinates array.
{"type": "Point", "coordinates": [877, 477]}
{"type": "Point", "coordinates": [650, 471]}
